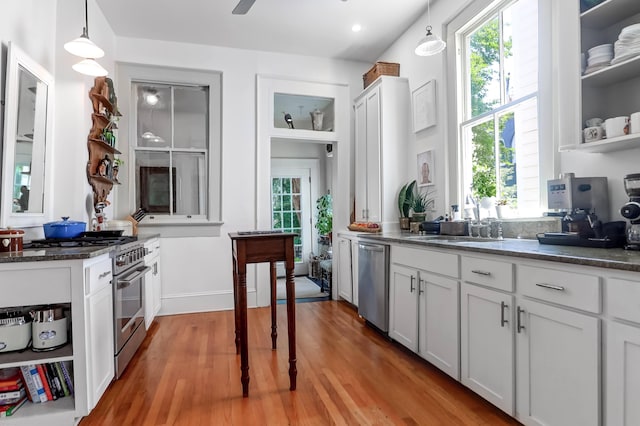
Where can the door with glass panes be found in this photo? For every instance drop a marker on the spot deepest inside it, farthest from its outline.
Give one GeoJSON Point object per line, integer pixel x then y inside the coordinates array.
{"type": "Point", "coordinates": [291, 212]}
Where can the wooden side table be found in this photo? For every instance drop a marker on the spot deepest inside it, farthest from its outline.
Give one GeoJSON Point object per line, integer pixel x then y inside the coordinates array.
{"type": "Point", "coordinates": [258, 247]}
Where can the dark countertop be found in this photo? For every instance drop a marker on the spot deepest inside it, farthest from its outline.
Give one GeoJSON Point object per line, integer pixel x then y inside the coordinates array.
{"type": "Point", "coordinates": [614, 258]}
{"type": "Point", "coordinates": [54, 253]}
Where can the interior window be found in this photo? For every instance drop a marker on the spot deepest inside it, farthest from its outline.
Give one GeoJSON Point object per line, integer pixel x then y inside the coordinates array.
{"type": "Point", "coordinates": [498, 108]}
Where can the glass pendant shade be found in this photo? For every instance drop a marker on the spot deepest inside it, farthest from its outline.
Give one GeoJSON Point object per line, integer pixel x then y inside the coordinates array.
{"type": "Point", "coordinates": [430, 44]}
{"type": "Point", "coordinates": [90, 67]}
{"type": "Point", "coordinates": [84, 48]}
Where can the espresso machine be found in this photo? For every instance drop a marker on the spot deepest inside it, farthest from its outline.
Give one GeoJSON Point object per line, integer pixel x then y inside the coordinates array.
{"type": "Point", "coordinates": [631, 210]}
{"type": "Point", "coordinates": [582, 203]}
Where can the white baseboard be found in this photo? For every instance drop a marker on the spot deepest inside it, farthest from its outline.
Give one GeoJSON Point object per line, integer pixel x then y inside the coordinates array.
{"type": "Point", "coordinates": [201, 302]}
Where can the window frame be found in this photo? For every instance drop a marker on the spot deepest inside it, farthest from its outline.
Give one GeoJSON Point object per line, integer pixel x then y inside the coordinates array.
{"type": "Point", "coordinates": [174, 225]}
{"type": "Point", "coordinates": [548, 156]}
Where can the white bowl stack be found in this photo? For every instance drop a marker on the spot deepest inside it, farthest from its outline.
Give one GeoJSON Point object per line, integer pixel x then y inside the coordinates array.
{"type": "Point", "coordinates": [599, 57]}
{"type": "Point", "coordinates": [628, 44]}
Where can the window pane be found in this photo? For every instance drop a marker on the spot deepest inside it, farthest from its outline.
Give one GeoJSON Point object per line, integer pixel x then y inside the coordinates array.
{"type": "Point", "coordinates": [152, 183]}
{"type": "Point", "coordinates": [520, 27]}
{"type": "Point", "coordinates": [484, 60]}
{"type": "Point", "coordinates": [276, 186]}
{"type": "Point", "coordinates": [277, 221]}
{"type": "Point", "coordinates": [286, 202]}
{"type": "Point", "coordinates": [286, 185]}
{"type": "Point", "coordinates": [507, 189]}
{"type": "Point", "coordinates": [190, 115]}
{"type": "Point", "coordinates": [286, 220]}
{"type": "Point", "coordinates": [153, 114]}
{"type": "Point", "coordinates": [483, 160]}
{"type": "Point", "coordinates": [191, 173]}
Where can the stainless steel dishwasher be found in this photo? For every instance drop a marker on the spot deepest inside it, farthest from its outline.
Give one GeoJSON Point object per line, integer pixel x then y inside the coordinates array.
{"type": "Point", "coordinates": [373, 284]}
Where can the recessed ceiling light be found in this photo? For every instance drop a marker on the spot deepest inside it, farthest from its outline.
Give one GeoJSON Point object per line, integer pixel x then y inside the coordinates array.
{"type": "Point", "coordinates": [356, 28]}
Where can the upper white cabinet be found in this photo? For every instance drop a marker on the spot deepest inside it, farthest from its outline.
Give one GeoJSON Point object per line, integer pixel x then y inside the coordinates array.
{"type": "Point", "coordinates": [382, 123]}
{"type": "Point", "coordinates": [614, 90]}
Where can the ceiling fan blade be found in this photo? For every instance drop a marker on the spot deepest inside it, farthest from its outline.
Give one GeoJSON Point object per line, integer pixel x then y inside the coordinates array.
{"type": "Point", "coordinates": [243, 7]}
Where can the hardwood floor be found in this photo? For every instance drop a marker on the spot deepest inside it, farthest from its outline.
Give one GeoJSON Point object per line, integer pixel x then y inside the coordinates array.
{"type": "Point", "coordinates": [187, 373]}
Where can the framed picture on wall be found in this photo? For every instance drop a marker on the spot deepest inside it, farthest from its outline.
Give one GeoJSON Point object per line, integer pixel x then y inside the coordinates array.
{"type": "Point", "coordinates": [154, 189]}
{"type": "Point", "coordinates": [426, 171]}
{"type": "Point", "coordinates": [424, 106]}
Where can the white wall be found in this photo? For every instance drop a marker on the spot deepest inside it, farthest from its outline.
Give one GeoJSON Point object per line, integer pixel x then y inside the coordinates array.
{"type": "Point", "coordinates": [421, 69]}
{"type": "Point", "coordinates": [40, 28]}
{"type": "Point", "coordinates": [197, 273]}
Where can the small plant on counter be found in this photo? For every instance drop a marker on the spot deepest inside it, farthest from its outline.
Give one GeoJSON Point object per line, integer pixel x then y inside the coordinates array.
{"type": "Point", "coordinates": [422, 202]}
{"type": "Point", "coordinates": [405, 199]}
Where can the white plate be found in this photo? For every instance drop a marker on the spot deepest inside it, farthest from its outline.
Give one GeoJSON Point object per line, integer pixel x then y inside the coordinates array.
{"type": "Point", "coordinates": [600, 48]}
{"type": "Point", "coordinates": [635, 28]}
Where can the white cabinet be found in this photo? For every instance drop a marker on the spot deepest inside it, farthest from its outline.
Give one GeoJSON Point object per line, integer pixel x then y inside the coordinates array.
{"type": "Point", "coordinates": [382, 123]}
{"type": "Point", "coordinates": [152, 282]}
{"type": "Point", "coordinates": [487, 344]}
{"type": "Point", "coordinates": [622, 375]}
{"type": "Point", "coordinates": [558, 366]}
{"type": "Point", "coordinates": [99, 329]}
{"type": "Point", "coordinates": [345, 280]}
{"type": "Point", "coordinates": [423, 305]}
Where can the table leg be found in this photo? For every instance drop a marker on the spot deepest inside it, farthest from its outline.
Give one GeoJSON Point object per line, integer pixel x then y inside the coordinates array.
{"type": "Point", "coordinates": [274, 325]}
{"type": "Point", "coordinates": [236, 310]}
{"type": "Point", "coordinates": [244, 347]}
{"type": "Point", "coordinates": [291, 323]}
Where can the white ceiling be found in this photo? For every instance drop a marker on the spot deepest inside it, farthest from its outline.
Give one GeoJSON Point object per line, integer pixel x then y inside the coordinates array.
{"type": "Point", "coordinates": [305, 27]}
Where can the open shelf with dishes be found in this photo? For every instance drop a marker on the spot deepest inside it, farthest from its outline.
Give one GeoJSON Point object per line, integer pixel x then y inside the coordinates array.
{"type": "Point", "coordinates": [610, 84]}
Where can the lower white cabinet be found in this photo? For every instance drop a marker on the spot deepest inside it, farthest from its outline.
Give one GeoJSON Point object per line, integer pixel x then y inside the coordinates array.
{"type": "Point", "coordinates": [424, 308]}
{"type": "Point", "coordinates": [622, 375]}
{"type": "Point", "coordinates": [152, 282]}
{"type": "Point", "coordinates": [557, 366]}
{"type": "Point", "coordinates": [487, 344]}
{"type": "Point", "coordinates": [345, 276]}
{"type": "Point", "coordinates": [99, 311]}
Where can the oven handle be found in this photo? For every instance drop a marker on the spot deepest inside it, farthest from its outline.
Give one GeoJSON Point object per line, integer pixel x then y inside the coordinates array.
{"type": "Point", "coordinates": [122, 283]}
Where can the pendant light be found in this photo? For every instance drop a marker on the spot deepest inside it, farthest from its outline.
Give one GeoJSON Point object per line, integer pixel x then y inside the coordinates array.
{"type": "Point", "coordinates": [85, 48]}
{"type": "Point", "coordinates": [430, 44]}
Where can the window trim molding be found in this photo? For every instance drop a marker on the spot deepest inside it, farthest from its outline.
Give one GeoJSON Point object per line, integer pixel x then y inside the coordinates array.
{"type": "Point", "coordinates": [176, 225]}
{"type": "Point", "coordinates": [549, 156]}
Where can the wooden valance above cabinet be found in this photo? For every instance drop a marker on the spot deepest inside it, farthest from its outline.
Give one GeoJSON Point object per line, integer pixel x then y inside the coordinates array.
{"type": "Point", "coordinates": [102, 166]}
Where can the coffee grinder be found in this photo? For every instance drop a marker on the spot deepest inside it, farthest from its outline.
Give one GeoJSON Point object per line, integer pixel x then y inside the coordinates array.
{"type": "Point", "coordinates": [631, 210]}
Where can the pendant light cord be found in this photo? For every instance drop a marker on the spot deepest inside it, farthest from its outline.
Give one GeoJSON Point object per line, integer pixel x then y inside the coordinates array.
{"type": "Point", "coordinates": [86, 19]}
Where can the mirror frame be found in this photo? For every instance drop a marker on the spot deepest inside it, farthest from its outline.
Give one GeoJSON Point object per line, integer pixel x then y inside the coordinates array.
{"type": "Point", "coordinates": [16, 58]}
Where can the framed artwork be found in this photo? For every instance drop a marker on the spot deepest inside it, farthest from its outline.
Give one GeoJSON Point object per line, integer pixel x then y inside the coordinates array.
{"type": "Point", "coordinates": [424, 106]}
{"type": "Point", "coordinates": [154, 189]}
{"type": "Point", "coordinates": [426, 171]}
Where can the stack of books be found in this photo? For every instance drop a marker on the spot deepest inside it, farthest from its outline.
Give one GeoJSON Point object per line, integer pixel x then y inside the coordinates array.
{"type": "Point", "coordinates": [12, 391]}
{"type": "Point", "coordinates": [47, 382]}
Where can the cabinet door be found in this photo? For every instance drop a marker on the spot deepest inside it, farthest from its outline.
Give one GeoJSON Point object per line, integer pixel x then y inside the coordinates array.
{"type": "Point", "coordinates": [345, 284]}
{"type": "Point", "coordinates": [374, 182]}
{"type": "Point", "coordinates": [148, 296]}
{"type": "Point", "coordinates": [622, 375]}
{"type": "Point", "coordinates": [361, 160]}
{"type": "Point", "coordinates": [157, 284]}
{"type": "Point", "coordinates": [100, 343]}
{"type": "Point", "coordinates": [439, 322]}
{"type": "Point", "coordinates": [558, 366]}
{"type": "Point", "coordinates": [487, 344]}
{"type": "Point", "coordinates": [403, 306]}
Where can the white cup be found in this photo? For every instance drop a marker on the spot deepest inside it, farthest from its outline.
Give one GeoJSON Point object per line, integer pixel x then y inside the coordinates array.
{"type": "Point", "coordinates": [593, 134]}
{"type": "Point", "coordinates": [634, 123]}
{"type": "Point", "coordinates": [616, 127]}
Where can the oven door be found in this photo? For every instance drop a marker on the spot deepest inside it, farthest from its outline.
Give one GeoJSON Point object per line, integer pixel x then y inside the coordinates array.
{"type": "Point", "coordinates": [128, 304]}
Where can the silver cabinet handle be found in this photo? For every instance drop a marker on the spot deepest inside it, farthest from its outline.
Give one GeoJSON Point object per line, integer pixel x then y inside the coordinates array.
{"type": "Point", "coordinates": [104, 274]}
{"type": "Point", "coordinates": [519, 327]}
{"type": "Point", "coordinates": [503, 320]}
{"type": "Point", "coordinates": [420, 282]}
{"type": "Point", "coordinates": [550, 286]}
{"type": "Point", "coordinates": [412, 286]}
{"type": "Point", "coordinates": [485, 273]}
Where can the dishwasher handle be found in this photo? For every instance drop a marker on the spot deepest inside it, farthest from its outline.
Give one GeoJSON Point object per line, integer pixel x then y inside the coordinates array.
{"type": "Point", "coordinates": [368, 247]}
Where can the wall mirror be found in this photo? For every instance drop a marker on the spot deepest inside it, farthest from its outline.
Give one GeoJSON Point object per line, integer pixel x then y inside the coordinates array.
{"type": "Point", "coordinates": [26, 147]}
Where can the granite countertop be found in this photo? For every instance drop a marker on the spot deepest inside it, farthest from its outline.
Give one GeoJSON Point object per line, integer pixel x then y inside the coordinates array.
{"type": "Point", "coordinates": [54, 253]}
{"type": "Point", "coordinates": [615, 258]}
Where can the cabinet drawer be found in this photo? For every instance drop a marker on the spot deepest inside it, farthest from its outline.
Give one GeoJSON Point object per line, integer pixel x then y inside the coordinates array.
{"type": "Point", "coordinates": [35, 286]}
{"type": "Point", "coordinates": [580, 291]}
{"type": "Point", "coordinates": [428, 260]}
{"type": "Point", "coordinates": [97, 276]}
{"type": "Point", "coordinates": [623, 299]}
{"type": "Point", "coordinates": [491, 273]}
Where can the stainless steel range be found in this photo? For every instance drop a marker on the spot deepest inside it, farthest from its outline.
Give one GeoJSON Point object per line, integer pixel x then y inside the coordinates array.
{"type": "Point", "coordinates": [128, 301]}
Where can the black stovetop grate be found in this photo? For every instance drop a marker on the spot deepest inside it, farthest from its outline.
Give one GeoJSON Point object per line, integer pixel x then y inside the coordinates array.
{"type": "Point", "coordinates": [84, 241]}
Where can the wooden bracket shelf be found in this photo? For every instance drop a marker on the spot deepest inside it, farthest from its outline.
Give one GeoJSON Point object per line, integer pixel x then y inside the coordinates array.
{"type": "Point", "coordinates": [105, 145]}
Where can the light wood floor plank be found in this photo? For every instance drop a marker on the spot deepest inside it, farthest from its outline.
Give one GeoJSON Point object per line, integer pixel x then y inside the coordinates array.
{"type": "Point", "coordinates": [187, 373]}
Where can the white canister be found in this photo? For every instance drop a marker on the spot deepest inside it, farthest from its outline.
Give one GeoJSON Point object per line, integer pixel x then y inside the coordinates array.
{"type": "Point", "coordinates": [634, 123]}
{"type": "Point", "coordinates": [616, 127]}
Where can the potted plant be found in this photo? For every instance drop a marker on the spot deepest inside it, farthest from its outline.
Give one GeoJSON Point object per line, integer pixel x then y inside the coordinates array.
{"type": "Point", "coordinates": [421, 203]}
{"type": "Point", "coordinates": [324, 222]}
{"type": "Point", "coordinates": [501, 208]}
{"type": "Point", "coordinates": [405, 203]}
